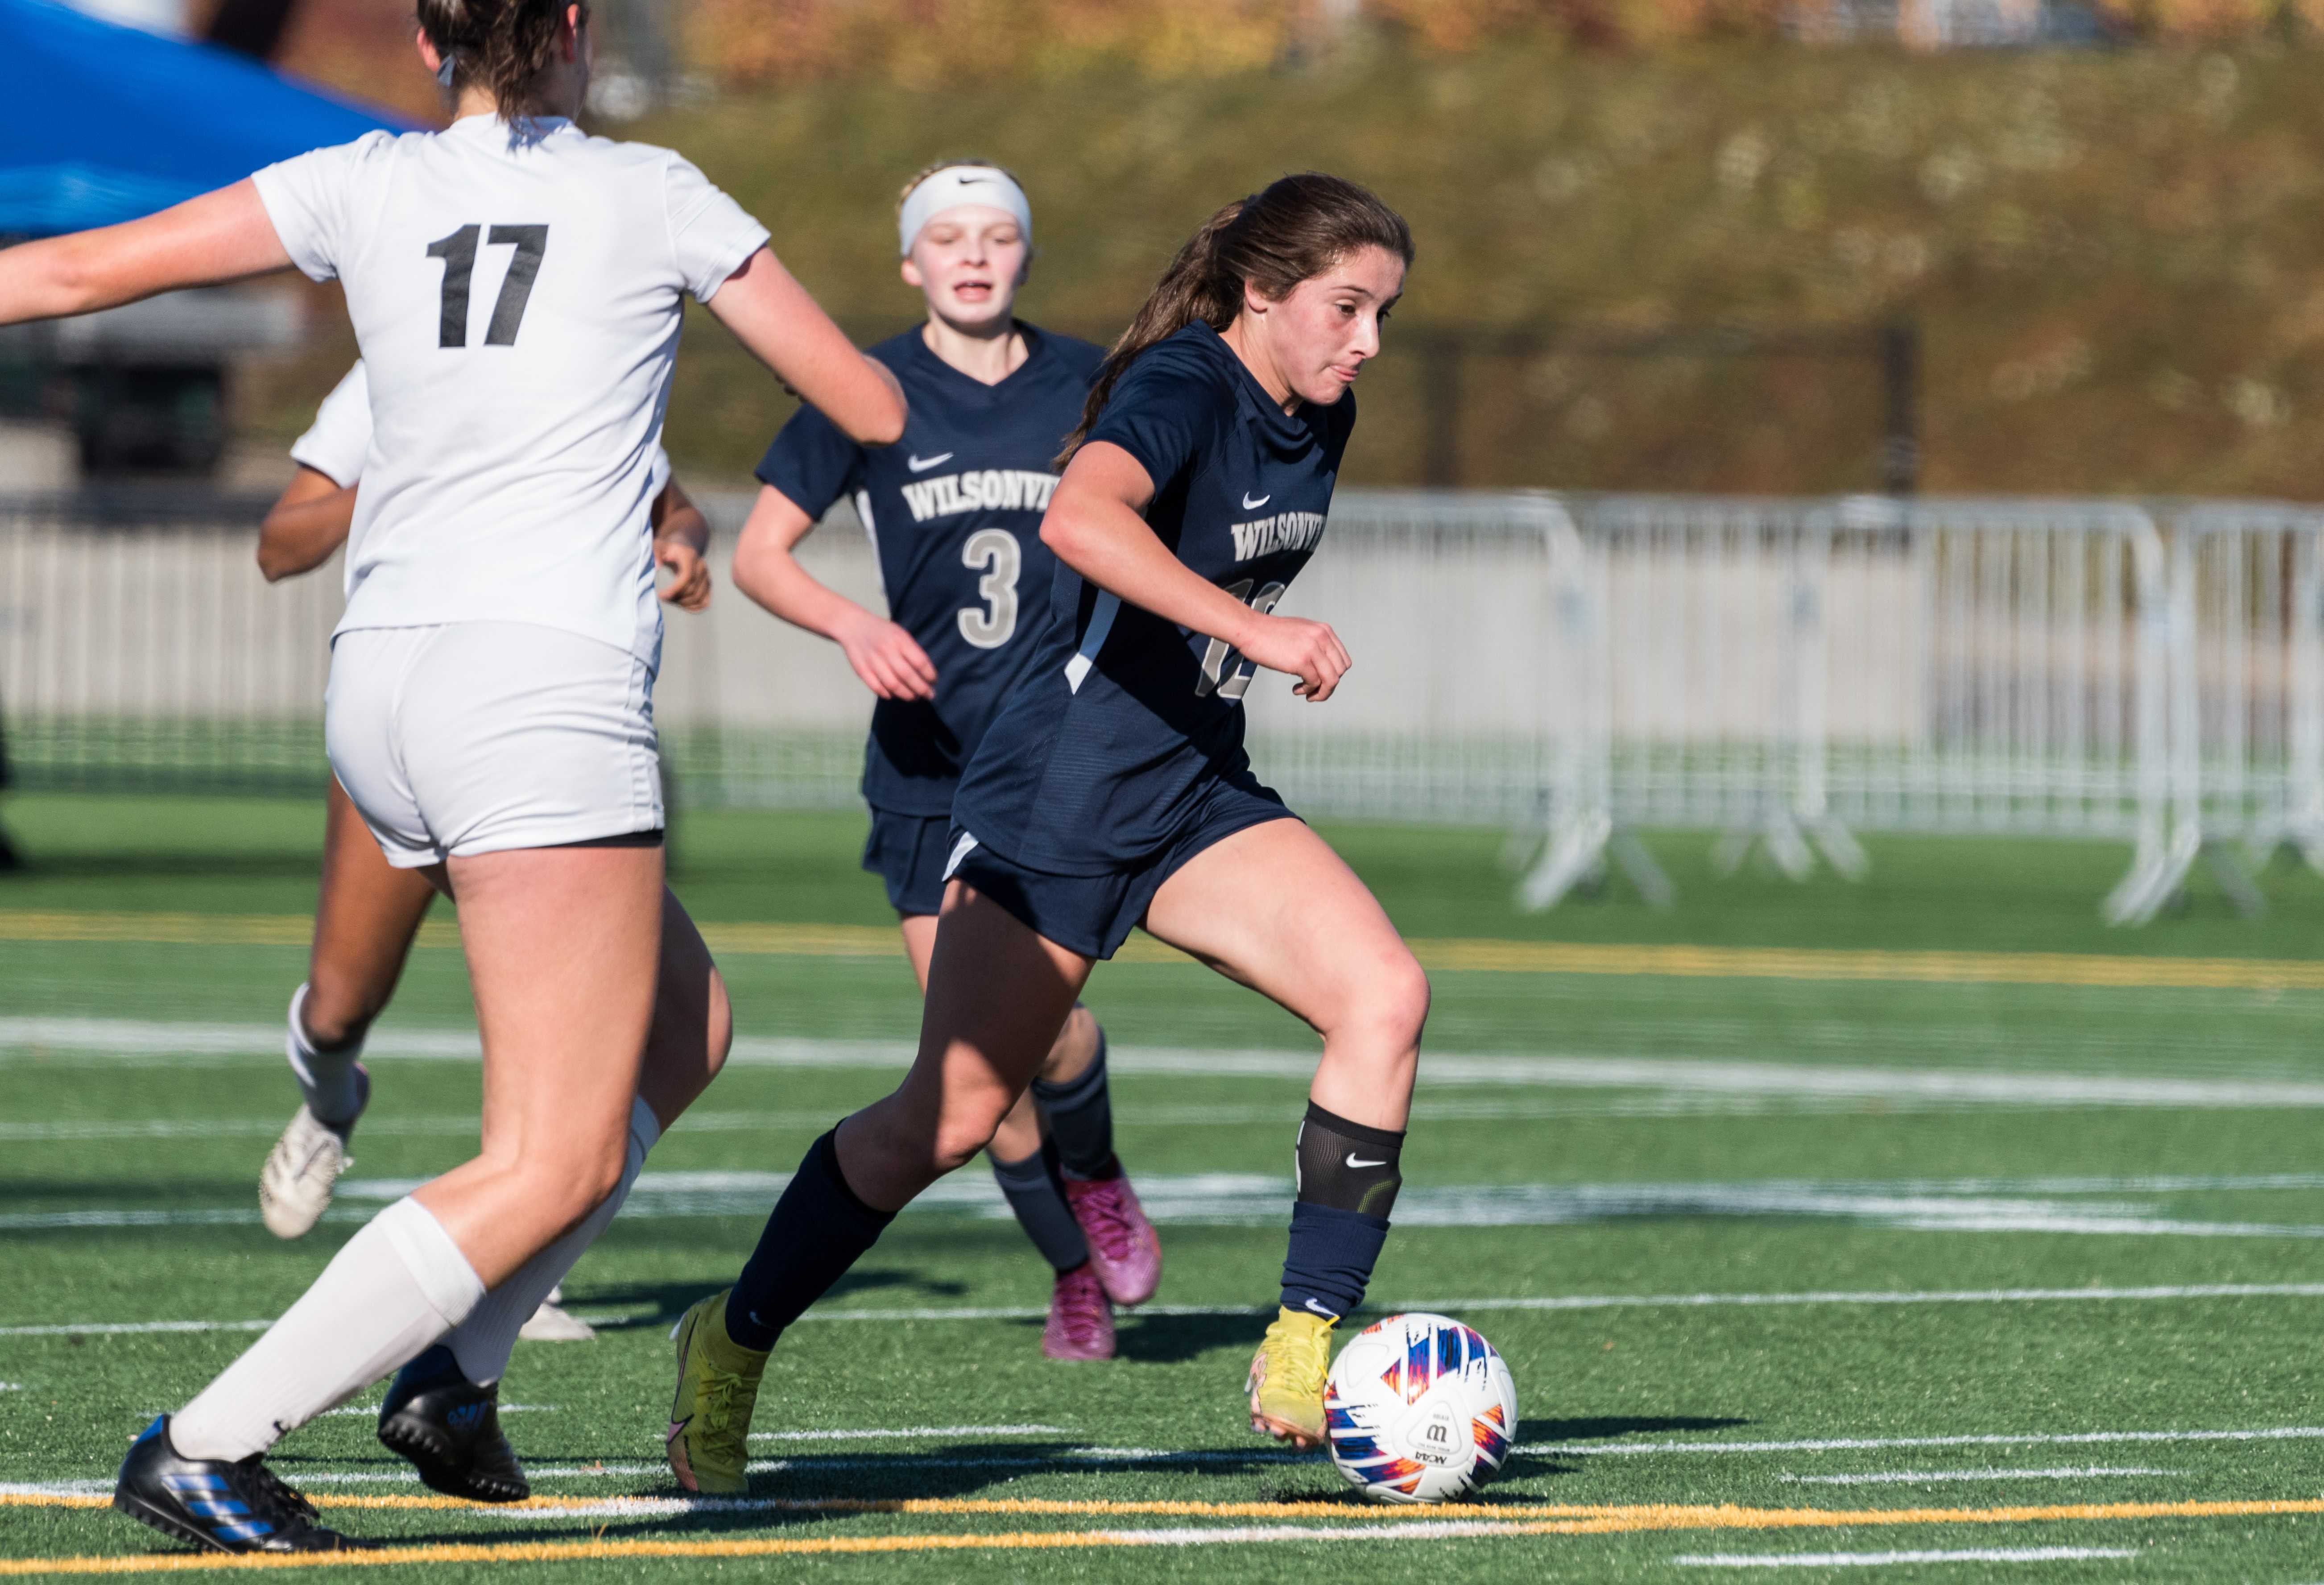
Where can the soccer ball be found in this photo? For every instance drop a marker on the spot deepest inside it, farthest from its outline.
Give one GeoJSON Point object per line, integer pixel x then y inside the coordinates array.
{"type": "Point", "coordinates": [1419, 1408]}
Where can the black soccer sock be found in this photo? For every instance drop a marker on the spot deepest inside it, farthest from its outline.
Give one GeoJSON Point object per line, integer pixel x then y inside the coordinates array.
{"type": "Point", "coordinates": [819, 1230]}
{"type": "Point", "coordinates": [1348, 1181]}
{"type": "Point", "coordinates": [1080, 1115]}
{"type": "Point", "coordinates": [1040, 1202]}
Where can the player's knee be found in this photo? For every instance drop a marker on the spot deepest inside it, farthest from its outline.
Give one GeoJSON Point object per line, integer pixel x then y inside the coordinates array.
{"type": "Point", "coordinates": [333, 1019]}
{"type": "Point", "coordinates": [1396, 1002]}
{"type": "Point", "coordinates": [960, 1137]}
{"type": "Point", "coordinates": [570, 1183]}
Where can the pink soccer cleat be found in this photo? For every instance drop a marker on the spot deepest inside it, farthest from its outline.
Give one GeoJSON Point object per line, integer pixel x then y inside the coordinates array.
{"type": "Point", "coordinates": [1124, 1249]}
{"type": "Point", "coordinates": [1080, 1318]}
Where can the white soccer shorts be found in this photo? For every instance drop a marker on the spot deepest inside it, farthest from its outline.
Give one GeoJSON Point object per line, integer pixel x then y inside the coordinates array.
{"type": "Point", "coordinates": [480, 737]}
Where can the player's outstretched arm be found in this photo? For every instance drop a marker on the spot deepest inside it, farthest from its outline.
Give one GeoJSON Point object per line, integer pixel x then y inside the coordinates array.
{"type": "Point", "coordinates": [772, 315]}
{"type": "Point", "coordinates": [1094, 525]}
{"type": "Point", "coordinates": [222, 235]}
{"type": "Point", "coordinates": [766, 568]}
{"type": "Point", "coordinates": [682, 544]}
{"type": "Point", "coordinates": [310, 522]}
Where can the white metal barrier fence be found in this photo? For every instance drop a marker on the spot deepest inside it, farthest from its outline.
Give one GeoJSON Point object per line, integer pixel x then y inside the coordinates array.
{"type": "Point", "coordinates": [1788, 672]}
{"type": "Point", "coordinates": [2246, 698]}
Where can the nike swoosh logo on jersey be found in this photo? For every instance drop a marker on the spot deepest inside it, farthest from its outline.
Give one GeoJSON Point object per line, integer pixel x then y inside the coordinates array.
{"type": "Point", "coordinates": [920, 464]}
{"type": "Point", "coordinates": [1360, 1165]}
{"type": "Point", "coordinates": [1251, 505]}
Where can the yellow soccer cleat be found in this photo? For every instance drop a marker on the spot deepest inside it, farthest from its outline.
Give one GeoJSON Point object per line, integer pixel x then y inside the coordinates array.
{"type": "Point", "coordinates": [709, 1439]}
{"type": "Point", "coordinates": [1286, 1378]}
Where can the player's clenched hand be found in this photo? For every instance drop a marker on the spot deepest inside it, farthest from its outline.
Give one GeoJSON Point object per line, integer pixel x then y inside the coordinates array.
{"type": "Point", "coordinates": [1309, 650]}
{"type": "Point", "coordinates": [689, 575]}
{"type": "Point", "coordinates": [890, 663]}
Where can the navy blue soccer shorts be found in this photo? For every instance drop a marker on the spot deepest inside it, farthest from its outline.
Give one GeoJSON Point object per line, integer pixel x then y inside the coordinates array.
{"type": "Point", "coordinates": [908, 852]}
{"type": "Point", "coordinates": [1093, 915]}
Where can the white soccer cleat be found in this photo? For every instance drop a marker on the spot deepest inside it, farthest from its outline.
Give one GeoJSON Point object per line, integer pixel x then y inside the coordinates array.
{"type": "Point", "coordinates": [553, 1324]}
{"type": "Point", "coordinates": [294, 1187]}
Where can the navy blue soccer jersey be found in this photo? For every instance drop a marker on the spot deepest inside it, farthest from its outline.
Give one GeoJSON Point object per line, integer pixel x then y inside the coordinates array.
{"type": "Point", "coordinates": [1120, 714]}
{"type": "Point", "coordinates": [954, 513]}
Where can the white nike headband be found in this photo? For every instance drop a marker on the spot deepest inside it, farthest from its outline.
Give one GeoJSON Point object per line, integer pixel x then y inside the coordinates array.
{"type": "Point", "coordinates": [955, 187]}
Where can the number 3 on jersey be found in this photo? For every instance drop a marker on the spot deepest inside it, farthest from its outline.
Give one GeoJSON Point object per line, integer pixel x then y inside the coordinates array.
{"type": "Point", "coordinates": [1215, 658]}
{"type": "Point", "coordinates": [459, 252]}
{"type": "Point", "coordinates": [995, 550]}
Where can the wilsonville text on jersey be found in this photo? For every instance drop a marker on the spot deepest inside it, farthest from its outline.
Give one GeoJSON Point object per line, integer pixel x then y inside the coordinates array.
{"type": "Point", "coordinates": [1285, 530]}
{"type": "Point", "coordinates": [980, 490]}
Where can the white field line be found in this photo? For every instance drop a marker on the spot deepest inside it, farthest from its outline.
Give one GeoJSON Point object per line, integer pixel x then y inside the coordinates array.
{"type": "Point", "coordinates": [1547, 1302]}
{"type": "Point", "coordinates": [1877, 1560]}
{"type": "Point", "coordinates": [1158, 1535]}
{"type": "Point", "coordinates": [1252, 1200]}
{"type": "Point", "coordinates": [631, 1507]}
{"type": "Point", "coordinates": [1245, 1534]}
{"type": "Point", "coordinates": [133, 1041]}
{"type": "Point", "coordinates": [372, 1410]}
{"type": "Point", "coordinates": [1066, 1457]}
{"type": "Point", "coordinates": [903, 1432]}
{"type": "Point", "coordinates": [1100, 1458]}
{"type": "Point", "coordinates": [1287, 1112]}
{"type": "Point", "coordinates": [1929, 1477]}
{"type": "Point", "coordinates": [1862, 1444]}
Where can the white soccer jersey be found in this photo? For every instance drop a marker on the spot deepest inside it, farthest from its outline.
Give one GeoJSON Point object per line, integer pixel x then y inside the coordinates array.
{"type": "Point", "coordinates": [334, 443]}
{"type": "Point", "coordinates": [339, 439]}
{"type": "Point", "coordinates": [516, 293]}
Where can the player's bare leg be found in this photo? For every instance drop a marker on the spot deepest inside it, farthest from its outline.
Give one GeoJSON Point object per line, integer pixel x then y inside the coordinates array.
{"type": "Point", "coordinates": [562, 947]}
{"type": "Point", "coordinates": [442, 1411]}
{"type": "Point", "coordinates": [365, 917]}
{"type": "Point", "coordinates": [1275, 908]}
{"type": "Point", "coordinates": [1068, 1191]}
{"type": "Point", "coordinates": [693, 1028]}
{"type": "Point", "coordinates": [998, 995]}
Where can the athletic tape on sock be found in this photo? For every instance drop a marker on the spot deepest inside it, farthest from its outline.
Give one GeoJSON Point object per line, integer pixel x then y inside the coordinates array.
{"type": "Point", "coordinates": [1347, 1165]}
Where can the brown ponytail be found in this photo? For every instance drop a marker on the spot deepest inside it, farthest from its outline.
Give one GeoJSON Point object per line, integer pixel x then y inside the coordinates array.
{"type": "Point", "coordinates": [504, 45]}
{"type": "Point", "coordinates": [1295, 230]}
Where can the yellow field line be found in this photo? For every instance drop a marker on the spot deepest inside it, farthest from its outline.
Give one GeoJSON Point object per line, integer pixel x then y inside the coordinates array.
{"type": "Point", "coordinates": [1506, 957]}
{"type": "Point", "coordinates": [1573, 1520]}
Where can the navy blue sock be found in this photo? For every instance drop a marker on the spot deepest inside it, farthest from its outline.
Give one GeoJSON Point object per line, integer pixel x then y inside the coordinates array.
{"type": "Point", "coordinates": [431, 1366]}
{"type": "Point", "coordinates": [819, 1230]}
{"type": "Point", "coordinates": [1080, 1115]}
{"type": "Point", "coordinates": [1331, 1258]}
{"type": "Point", "coordinates": [1034, 1193]}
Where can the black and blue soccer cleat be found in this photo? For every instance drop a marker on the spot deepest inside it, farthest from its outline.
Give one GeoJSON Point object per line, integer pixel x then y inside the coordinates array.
{"type": "Point", "coordinates": [450, 1430]}
{"type": "Point", "coordinates": [220, 1505]}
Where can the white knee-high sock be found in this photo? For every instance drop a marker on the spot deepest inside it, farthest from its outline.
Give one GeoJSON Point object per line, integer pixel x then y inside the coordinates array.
{"type": "Point", "coordinates": [483, 1342]}
{"type": "Point", "coordinates": [396, 1287]}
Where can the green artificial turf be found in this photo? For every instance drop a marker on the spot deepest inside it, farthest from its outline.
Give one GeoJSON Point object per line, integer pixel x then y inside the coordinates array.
{"type": "Point", "coordinates": [1709, 1166]}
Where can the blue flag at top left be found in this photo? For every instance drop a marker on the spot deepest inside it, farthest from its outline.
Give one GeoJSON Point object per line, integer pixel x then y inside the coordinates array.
{"type": "Point", "coordinates": [100, 124]}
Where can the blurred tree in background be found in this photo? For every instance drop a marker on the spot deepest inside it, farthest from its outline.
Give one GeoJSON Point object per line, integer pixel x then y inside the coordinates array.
{"type": "Point", "coordinates": [2115, 255]}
